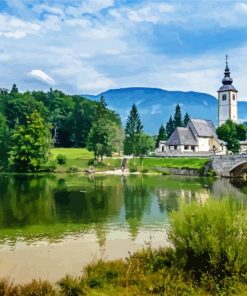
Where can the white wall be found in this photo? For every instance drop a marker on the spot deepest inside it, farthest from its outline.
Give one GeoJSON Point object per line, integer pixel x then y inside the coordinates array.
{"type": "Point", "coordinates": [203, 144]}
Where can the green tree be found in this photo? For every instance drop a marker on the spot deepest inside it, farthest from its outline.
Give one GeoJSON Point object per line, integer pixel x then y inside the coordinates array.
{"type": "Point", "coordinates": [133, 131]}
{"type": "Point", "coordinates": [162, 136]}
{"type": "Point", "coordinates": [14, 90]}
{"type": "Point", "coordinates": [232, 133]}
{"type": "Point", "coordinates": [241, 131]}
{"type": "Point", "coordinates": [146, 145]}
{"type": "Point", "coordinates": [186, 119]}
{"type": "Point", "coordinates": [30, 144]}
{"type": "Point", "coordinates": [177, 120]}
{"type": "Point", "coordinates": [170, 128]}
{"type": "Point", "coordinates": [104, 134]}
{"type": "Point", "coordinates": [4, 141]}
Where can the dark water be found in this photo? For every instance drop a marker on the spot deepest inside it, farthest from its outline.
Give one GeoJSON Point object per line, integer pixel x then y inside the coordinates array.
{"type": "Point", "coordinates": [52, 206]}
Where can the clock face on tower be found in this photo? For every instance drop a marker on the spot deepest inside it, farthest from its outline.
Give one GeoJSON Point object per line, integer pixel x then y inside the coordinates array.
{"type": "Point", "coordinates": [227, 99]}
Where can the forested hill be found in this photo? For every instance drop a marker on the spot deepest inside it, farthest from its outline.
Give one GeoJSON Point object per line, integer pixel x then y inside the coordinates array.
{"type": "Point", "coordinates": [70, 117]}
{"type": "Point", "coordinates": [156, 105]}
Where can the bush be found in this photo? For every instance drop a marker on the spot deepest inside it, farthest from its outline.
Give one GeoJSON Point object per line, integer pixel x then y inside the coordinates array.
{"type": "Point", "coordinates": [144, 171]}
{"type": "Point", "coordinates": [211, 238]}
{"type": "Point", "coordinates": [72, 286]}
{"type": "Point", "coordinates": [72, 169]}
{"type": "Point", "coordinates": [61, 159]}
{"type": "Point", "coordinates": [48, 167]}
{"type": "Point", "coordinates": [133, 170]}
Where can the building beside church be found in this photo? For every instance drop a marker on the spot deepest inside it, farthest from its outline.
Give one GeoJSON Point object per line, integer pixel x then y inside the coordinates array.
{"type": "Point", "coordinates": [199, 136]}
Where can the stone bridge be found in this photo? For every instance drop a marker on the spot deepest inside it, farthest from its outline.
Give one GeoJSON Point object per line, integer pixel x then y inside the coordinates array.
{"type": "Point", "coordinates": [234, 165]}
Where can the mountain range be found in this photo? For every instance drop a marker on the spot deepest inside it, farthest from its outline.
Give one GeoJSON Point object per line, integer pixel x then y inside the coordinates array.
{"type": "Point", "coordinates": [156, 105]}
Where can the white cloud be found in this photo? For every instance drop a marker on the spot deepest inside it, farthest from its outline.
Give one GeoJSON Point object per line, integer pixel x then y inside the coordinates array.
{"type": "Point", "coordinates": [151, 12]}
{"type": "Point", "coordinates": [156, 109]}
{"type": "Point", "coordinates": [42, 76]}
{"type": "Point", "coordinates": [89, 6]}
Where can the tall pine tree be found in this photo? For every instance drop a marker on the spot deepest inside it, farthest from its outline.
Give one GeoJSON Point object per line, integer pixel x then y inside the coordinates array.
{"type": "Point", "coordinates": [170, 128]}
{"type": "Point", "coordinates": [177, 120]}
{"type": "Point", "coordinates": [162, 136]}
{"type": "Point", "coordinates": [133, 131]}
{"type": "Point", "coordinates": [186, 119]}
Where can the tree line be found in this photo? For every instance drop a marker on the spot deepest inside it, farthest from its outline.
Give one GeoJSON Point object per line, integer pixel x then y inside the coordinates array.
{"type": "Point", "coordinates": [176, 121]}
{"type": "Point", "coordinates": [33, 122]}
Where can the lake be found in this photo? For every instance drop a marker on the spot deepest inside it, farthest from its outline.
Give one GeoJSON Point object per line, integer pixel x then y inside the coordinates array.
{"type": "Point", "coordinates": [51, 225]}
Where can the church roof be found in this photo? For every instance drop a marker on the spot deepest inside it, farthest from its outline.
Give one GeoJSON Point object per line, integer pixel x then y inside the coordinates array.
{"type": "Point", "coordinates": [204, 128]}
{"type": "Point", "coordinates": [227, 80]}
{"type": "Point", "coordinates": [182, 136]}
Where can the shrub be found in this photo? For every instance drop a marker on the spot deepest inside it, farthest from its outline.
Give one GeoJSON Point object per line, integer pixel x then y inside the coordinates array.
{"type": "Point", "coordinates": [48, 167]}
{"type": "Point", "coordinates": [37, 288]}
{"type": "Point", "coordinates": [70, 286]}
{"type": "Point", "coordinates": [61, 159]}
{"type": "Point", "coordinates": [72, 169]}
{"type": "Point", "coordinates": [144, 171]}
{"type": "Point", "coordinates": [133, 170]}
{"type": "Point", "coordinates": [211, 238]}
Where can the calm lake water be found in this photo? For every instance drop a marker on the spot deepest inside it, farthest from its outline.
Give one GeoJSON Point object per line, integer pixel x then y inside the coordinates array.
{"type": "Point", "coordinates": [51, 225]}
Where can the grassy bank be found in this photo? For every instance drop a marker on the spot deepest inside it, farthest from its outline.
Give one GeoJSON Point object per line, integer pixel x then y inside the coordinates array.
{"type": "Point", "coordinates": [208, 257]}
{"type": "Point", "coordinates": [78, 159]}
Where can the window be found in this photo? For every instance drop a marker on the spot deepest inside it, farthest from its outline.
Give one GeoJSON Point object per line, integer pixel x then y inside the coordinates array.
{"type": "Point", "coordinates": [223, 97]}
{"type": "Point", "coordinates": [186, 147]}
{"type": "Point", "coordinates": [233, 97]}
{"type": "Point", "coordinates": [175, 147]}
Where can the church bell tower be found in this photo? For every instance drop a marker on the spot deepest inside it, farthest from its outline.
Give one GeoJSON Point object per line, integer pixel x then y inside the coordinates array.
{"type": "Point", "coordinates": [227, 99]}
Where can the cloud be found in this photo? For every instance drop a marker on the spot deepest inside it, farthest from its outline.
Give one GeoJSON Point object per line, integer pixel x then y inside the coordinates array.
{"type": "Point", "coordinates": [156, 109]}
{"type": "Point", "coordinates": [151, 12]}
{"type": "Point", "coordinates": [89, 6]}
{"type": "Point", "coordinates": [42, 77]}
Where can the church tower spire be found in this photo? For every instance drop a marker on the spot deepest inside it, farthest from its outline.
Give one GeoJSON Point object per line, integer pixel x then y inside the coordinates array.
{"type": "Point", "coordinates": [227, 98]}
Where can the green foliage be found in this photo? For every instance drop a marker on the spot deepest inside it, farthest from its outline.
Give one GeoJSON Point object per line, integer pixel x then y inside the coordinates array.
{"type": "Point", "coordinates": [170, 127]}
{"type": "Point", "coordinates": [30, 144]}
{"type": "Point", "coordinates": [232, 133]}
{"type": "Point", "coordinates": [186, 119]}
{"type": "Point", "coordinates": [105, 135]}
{"type": "Point", "coordinates": [61, 159]}
{"type": "Point", "coordinates": [162, 135]}
{"type": "Point", "coordinates": [70, 286]}
{"type": "Point", "coordinates": [177, 119]}
{"type": "Point", "coordinates": [71, 117]}
{"type": "Point", "coordinates": [211, 238]}
{"type": "Point", "coordinates": [4, 141]}
{"type": "Point", "coordinates": [133, 131]}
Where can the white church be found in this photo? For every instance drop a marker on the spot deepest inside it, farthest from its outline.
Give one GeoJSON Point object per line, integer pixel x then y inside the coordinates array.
{"type": "Point", "coordinates": [199, 136]}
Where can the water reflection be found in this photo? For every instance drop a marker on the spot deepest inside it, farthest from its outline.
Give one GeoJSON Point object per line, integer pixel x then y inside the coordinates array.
{"type": "Point", "coordinates": [52, 206]}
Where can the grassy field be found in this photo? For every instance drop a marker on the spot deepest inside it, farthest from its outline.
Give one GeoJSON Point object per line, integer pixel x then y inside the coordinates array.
{"type": "Point", "coordinates": [79, 159]}
{"type": "Point", "coordinates": [155, 163]}
{"type": "Point", "coordinates": [72, 153]}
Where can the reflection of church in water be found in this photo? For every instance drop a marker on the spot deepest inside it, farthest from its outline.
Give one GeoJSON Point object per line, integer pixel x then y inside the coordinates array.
{"type": "Point", "coordinates": [199, 136]}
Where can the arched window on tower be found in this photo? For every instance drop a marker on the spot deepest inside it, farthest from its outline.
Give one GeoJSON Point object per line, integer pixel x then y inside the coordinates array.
{"type": "Point", "coordinates": [233, 97]}
{"type": "Point", "coordinates": [223, 97]}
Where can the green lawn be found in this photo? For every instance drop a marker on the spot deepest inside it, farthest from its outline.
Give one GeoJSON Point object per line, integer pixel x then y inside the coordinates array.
{"type": "Point", "coordinates": [78, 160]}
{"type": "Point", "coordinates": [80, 157]}
{"type": "Point", "coordinates": [72, 153]}
{"type": "Point", "coordinates": [176, 162]}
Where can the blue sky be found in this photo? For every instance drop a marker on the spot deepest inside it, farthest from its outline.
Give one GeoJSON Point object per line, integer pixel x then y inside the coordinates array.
{"type": "Point", "coordinates": [88, 46]}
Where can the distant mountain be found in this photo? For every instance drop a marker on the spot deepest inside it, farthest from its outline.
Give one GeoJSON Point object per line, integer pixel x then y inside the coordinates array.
{"type": "Point", "coordinates": [156, 105]}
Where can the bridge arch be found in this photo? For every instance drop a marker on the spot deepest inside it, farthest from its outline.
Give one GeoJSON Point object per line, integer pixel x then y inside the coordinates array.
{"type": "Point", "coordinates": [239, 169]}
